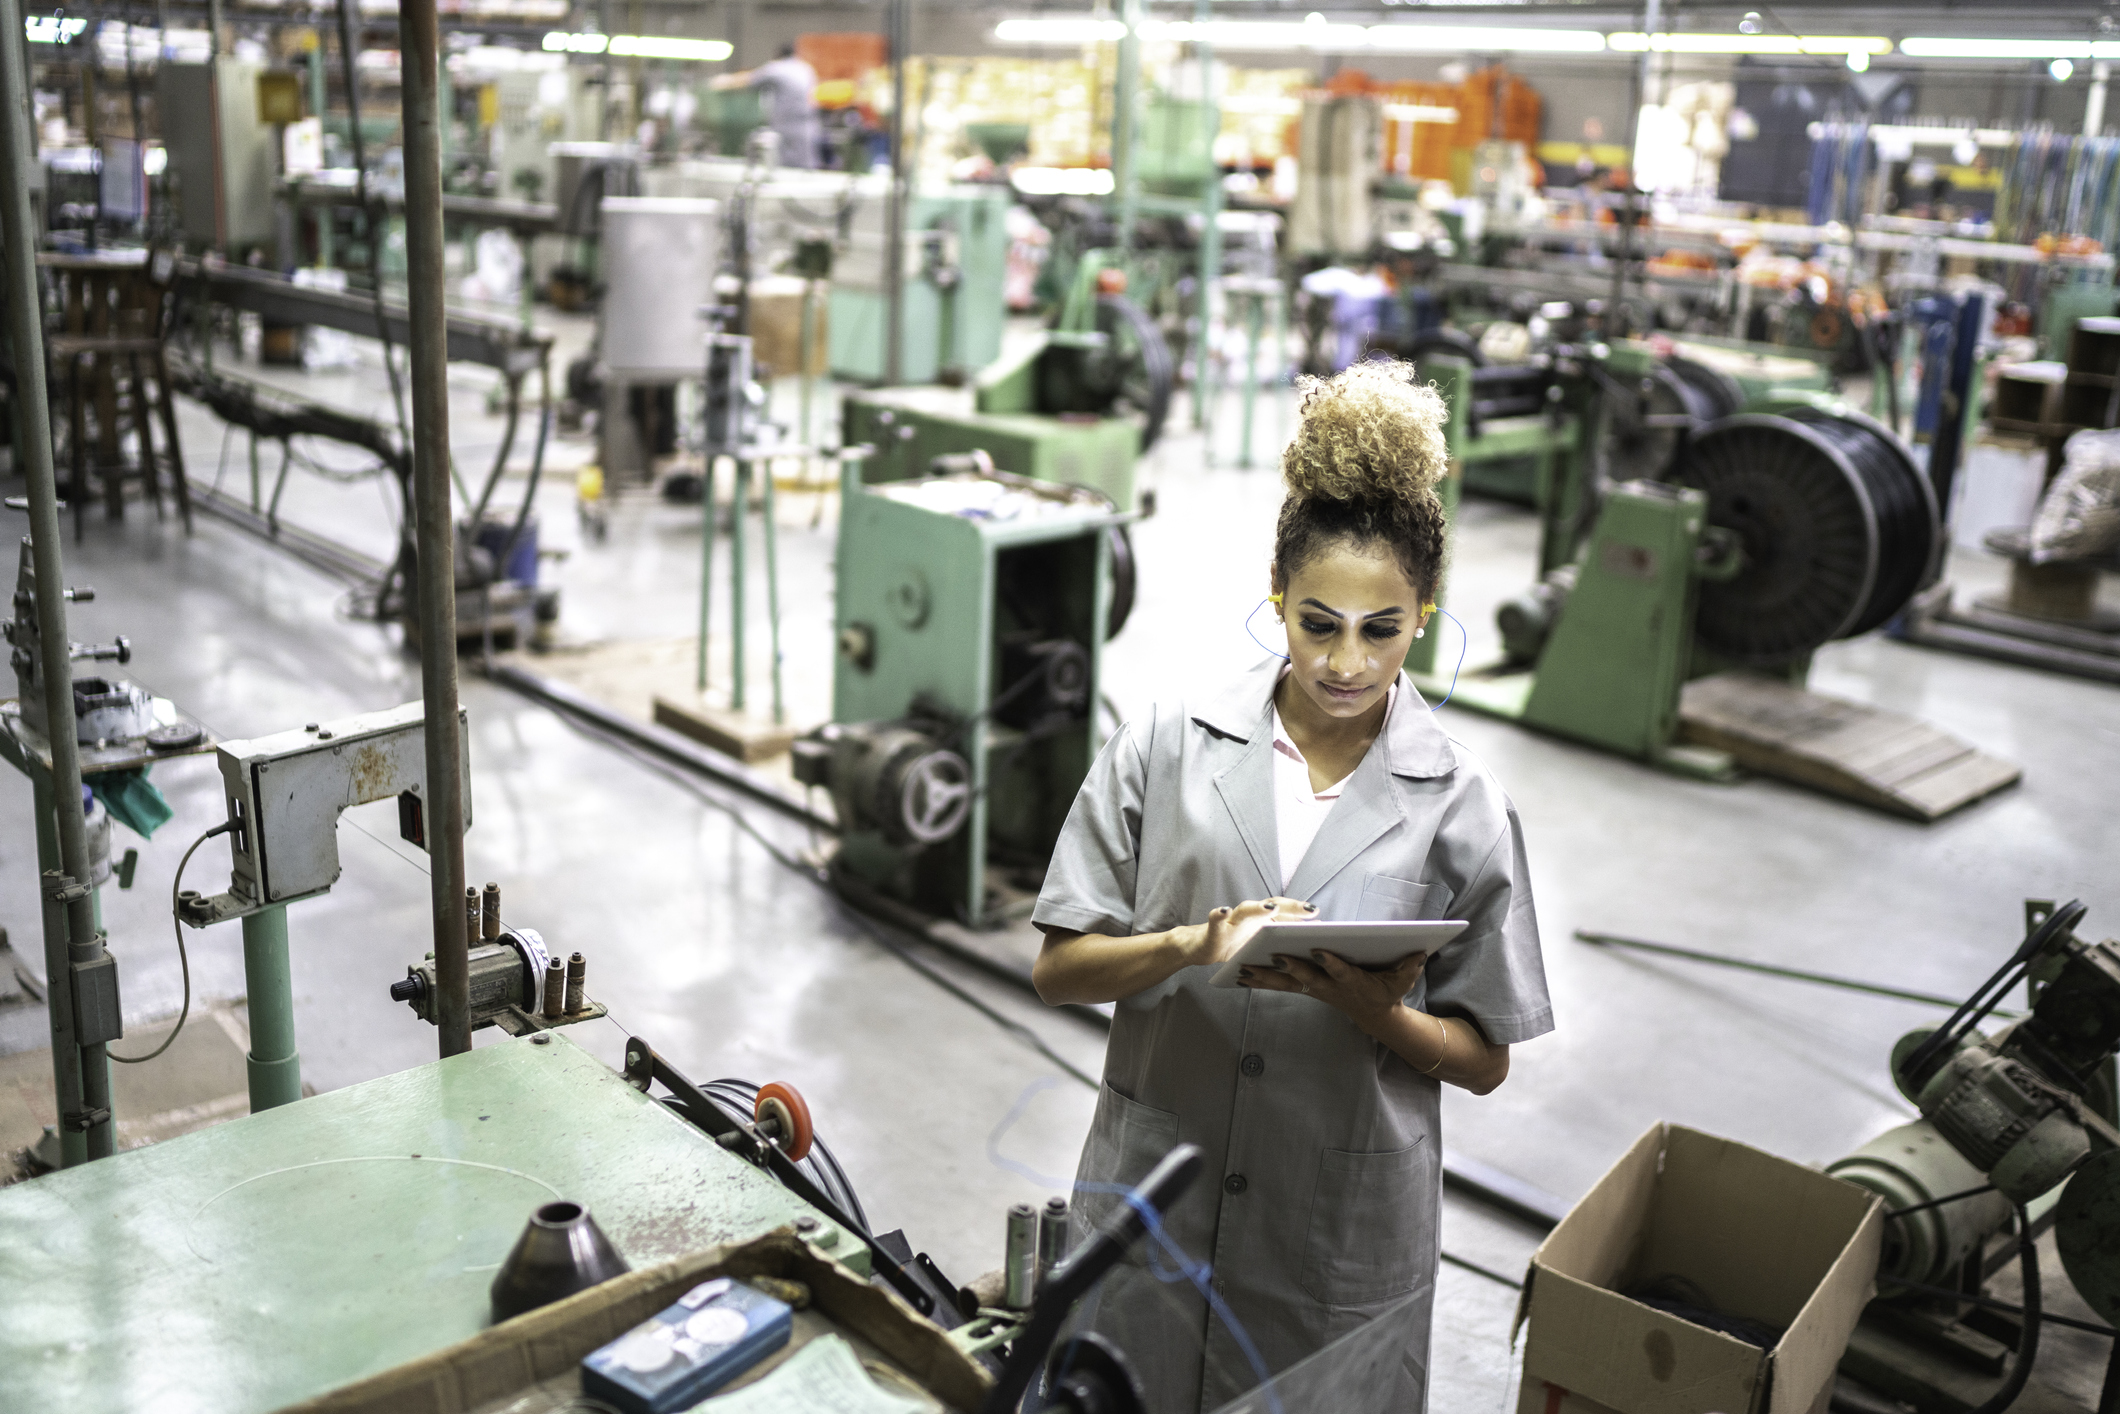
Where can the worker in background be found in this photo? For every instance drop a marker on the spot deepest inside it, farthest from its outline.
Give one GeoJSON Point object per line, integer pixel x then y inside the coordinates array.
{"type": "Point", "coordinates": [1316, 786]}
{"type": "Point", "coordinates": [788, 93]}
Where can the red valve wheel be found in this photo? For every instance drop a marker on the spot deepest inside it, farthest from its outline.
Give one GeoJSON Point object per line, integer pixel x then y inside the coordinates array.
{"type": "Point", "coordinates": [784, 1105]}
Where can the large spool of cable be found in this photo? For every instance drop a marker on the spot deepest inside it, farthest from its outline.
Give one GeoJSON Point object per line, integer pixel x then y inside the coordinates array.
{"type": "Point", "coordinates": [1839, 529]}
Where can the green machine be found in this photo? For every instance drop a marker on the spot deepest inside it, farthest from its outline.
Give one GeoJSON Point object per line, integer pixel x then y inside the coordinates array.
{"type": "Point", "coordinates": [973, 607]}
{"type": "Point", "coordinates": [956, 254]}
{"type": "Point", "coordinates": [1770, 535]}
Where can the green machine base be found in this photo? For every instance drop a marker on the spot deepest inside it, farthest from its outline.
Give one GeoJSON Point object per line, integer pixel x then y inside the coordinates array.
{"type": "Point", "coordinates": [274, 1258]}
{"type": "Point", "coordinates": [1612, 667]}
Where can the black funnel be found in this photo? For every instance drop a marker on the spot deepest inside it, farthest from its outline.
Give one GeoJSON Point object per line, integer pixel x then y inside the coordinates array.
{"type": "Point", "coordinates": [561, 1251]}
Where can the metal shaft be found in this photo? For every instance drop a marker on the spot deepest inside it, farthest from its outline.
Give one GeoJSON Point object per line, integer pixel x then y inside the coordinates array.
{"type": "Point", "coordinates": [898, 37]}
{"type": "Point", "coordinates": [1652, 19]}
{"type": "Point", "coordinates": [1126, 127]}
{"type": "Point", "coordinates": [275, 1067]}
{"type": "Point", "coordinates": [1053, 1236]}
{"type": "Point", "coordinates": [34, 440]}
{"type": "Point", "coordinates": [420, 37]}
{"type": "Point", "coordinates": [739, 507]}
{"type": "Point", "coordinates": [1019, 1268]}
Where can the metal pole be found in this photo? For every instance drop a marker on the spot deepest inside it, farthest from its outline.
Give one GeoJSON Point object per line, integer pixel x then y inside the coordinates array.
{"type": "Point", "coordinates": [213, 29]}
{"type": "Point", "coordinates": [706, 558]}
{"type": "Point", "coordinates": [275, 1068]}
{"type": "Point", "coordinates": [771, 533]}
{"type": "Point", "coordinates": [739, 506]}
{"type": "Point", "coordinates": [420, 37]}
{"type": "Point", "coordinates": [897, 37]}
{"type": "Point", "coordinates": [1653, 17]}
{"type": "Point", "coordinates": [1126, 128]}
{"type": "Point", "coordinates": [2094, 104]}
{"type": "Point", "coordinates": [1211, 222]}
{"type": "Point", "coordinates": [66, 1056]}
{"type": "Point", "coordinates": [91, 1111]}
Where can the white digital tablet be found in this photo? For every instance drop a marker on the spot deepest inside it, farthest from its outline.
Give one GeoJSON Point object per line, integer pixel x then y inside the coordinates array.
{"type": "Point", "coordinates": [1362, 943]}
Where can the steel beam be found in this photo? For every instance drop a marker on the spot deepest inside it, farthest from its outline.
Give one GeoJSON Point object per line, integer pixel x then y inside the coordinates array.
{"type": "Point", "coordinates": [434, 515]}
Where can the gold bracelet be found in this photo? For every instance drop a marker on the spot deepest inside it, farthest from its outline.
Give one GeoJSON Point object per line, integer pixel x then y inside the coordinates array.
{"type": "Point", "coordinates": [1443, 1054]}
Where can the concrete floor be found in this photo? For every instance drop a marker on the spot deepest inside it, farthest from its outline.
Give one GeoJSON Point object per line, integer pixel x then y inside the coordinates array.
{"type": "Point", "coordinates": [731, 966]}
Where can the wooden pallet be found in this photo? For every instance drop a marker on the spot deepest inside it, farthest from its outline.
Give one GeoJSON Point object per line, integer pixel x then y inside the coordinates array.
{"type": "Point", "coordinates": [1868, 754]}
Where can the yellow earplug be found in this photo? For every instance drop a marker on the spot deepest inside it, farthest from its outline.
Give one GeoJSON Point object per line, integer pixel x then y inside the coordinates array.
{"type": "Point", "coordinates": [1273, 598]}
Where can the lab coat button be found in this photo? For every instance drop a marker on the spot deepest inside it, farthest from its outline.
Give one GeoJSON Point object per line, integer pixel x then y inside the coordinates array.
{"type": "Point", "coordinates": [1253, 1065]}
{"type": "Point", "coordinates": [1234, 1184]}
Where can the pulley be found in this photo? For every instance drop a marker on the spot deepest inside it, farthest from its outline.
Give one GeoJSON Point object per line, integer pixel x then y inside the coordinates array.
{"type": "Point", "coordinates": [1651, 422]}
{"type": "Point", "coordinates": [1837, 525]}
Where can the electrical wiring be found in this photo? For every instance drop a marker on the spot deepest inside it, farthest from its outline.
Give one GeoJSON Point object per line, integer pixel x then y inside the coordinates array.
{"type": "Point", "coordinates": [183, 958]}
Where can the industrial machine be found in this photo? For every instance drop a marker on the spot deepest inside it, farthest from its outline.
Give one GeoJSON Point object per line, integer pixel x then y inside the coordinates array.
{"type": "Point", "coordinates": [1674, 616]}
{"type": "Point", "coordinates": [956, 253]}
{"type": "Point", "coordinates": [973, 606]}
{"type": "Point", "coordinates": [2017, 1136]}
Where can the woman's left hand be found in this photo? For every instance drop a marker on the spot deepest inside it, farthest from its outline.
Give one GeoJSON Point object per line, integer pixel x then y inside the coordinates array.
{"type": "Point", "coordinates": [1365, 996]}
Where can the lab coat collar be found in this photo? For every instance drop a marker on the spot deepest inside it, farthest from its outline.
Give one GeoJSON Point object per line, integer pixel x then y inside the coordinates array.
{"type": "Point", "coordinates": [1414, 744]}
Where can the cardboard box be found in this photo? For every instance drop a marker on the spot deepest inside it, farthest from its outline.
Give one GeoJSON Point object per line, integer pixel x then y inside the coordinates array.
{"type": "Point", "coordinates": [1762, 1238]}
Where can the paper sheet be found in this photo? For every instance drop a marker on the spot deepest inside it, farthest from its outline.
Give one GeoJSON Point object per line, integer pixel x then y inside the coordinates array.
{"type": "Point", "coordinates": [824, 1377]}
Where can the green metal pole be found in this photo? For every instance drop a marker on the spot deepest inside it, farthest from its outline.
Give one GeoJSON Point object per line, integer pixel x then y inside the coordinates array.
{"type": "Point", "coordinates": [66, 1056]}
{"type": "Point", "coordinates": [772, 538]}
{"type": "Point", "coordinates": [706, 560]}
{"type": "Point", "coordinates": [1255, 327]}
{"type": "Point", "coordinates": [807, 385]}
{"type": "Point", "coordinates": [739, 507]}
{"type": "Point", "coordinates": [326, 214]}
{"type": "Point", "coordinates": [275, 1069]}
{"type": "Point", "coordinates": [1126, 127]}
{"type": "Point", "coordinates": [1211, 227]}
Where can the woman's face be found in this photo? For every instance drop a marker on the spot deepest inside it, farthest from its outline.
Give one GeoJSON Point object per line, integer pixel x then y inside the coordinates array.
{"type": "Point", "coordinates": [1350, 614]}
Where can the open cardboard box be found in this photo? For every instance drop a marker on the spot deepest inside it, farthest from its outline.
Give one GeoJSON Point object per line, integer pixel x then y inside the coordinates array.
{"type": "Point", "coordinates": [1763, 1238]}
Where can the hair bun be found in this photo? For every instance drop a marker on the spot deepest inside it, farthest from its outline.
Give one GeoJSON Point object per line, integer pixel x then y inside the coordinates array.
{"type": "Point", "coordinates": [1369, 433]}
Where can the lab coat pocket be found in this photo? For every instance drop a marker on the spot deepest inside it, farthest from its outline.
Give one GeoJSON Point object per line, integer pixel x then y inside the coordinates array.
{"type": "Point", "coordinates": [1126, 1140]}
{"type": "Point", "coordinates": [1372, 1225]}
{"type": "Point", "coordinates": [1385, 899]}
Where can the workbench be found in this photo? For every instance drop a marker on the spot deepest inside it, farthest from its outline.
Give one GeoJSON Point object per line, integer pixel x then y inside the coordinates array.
{"type": "Point", "coordinates": [279, 1256]}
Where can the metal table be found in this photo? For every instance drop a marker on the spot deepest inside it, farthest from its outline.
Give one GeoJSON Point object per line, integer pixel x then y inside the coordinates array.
{"type": "Point", "coordinates": [280, 1256]}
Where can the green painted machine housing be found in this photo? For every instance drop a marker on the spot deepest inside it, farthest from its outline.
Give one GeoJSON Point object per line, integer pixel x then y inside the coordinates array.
{"type": "Point", "coordinates": [946, 330]}
{"type": "Point", "coordinates": [269, 1260]}
{"type": "Point", "coordinates": [1513, 458]}
{"type": "Point", "coordinates": [910, 427]}
{"type": "Point", "coordinates": [936, 594]}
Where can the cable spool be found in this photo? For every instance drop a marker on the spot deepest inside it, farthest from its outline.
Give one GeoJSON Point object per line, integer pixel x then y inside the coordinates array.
{"type": "Point", "coordinates": [1838, 525]}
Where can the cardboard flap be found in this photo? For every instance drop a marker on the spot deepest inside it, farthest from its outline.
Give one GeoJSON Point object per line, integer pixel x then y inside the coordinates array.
{"type": "Point", "coordinates": [1634, 1357]}
{"type": "Point", "coordinates": [1819, 1336]}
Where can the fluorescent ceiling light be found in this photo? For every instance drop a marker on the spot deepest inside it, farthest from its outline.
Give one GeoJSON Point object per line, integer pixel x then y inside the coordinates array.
{"type": "Point", "coordinates": [1062, 181]}
{"type": "Point", "coordinates": [657, 46]}
{"type": "Point", "coordinates": [560, 42]}
{"type": "Point", "coordinates": [1412, 36]}
{"type": "Point", "coordinates": [1931, 48]}
{"type": "Point", "coordinates": [51, 29]}
{"type": "Point", "coordinates": [1835, 44]}
{"type": "Point", "coordinates": [1419, 113]}
{"type": "Point", "coordinates": [1068, 31]}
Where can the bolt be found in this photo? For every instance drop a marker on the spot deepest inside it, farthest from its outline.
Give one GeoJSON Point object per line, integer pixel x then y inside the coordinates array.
{"type": "Point", "coordinates": [542, 1038]}
{"type": "Point", "coordinates": [309, 726]}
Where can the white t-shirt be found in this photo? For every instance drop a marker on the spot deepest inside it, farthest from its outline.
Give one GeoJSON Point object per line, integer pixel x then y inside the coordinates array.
{"type": "Point", "coordinates": [1300, 811]}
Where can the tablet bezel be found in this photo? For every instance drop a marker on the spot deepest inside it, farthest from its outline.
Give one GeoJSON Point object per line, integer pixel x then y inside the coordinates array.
{"type": "Point", "coordinates": [1370, 943]}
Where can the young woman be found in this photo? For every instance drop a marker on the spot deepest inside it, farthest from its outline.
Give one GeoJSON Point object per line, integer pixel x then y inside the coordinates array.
{"type": "Point", "coordinates": [1315, 787]}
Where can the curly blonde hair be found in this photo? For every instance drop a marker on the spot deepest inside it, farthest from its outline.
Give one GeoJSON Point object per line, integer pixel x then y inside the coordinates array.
{"type": "Point", "coordinates": [1363, 468]}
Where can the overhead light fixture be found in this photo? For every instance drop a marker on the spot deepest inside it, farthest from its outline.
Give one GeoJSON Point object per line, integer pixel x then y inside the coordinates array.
{"type": "Point", "coordinates": [1418, 113]}
{"type": "Point", "coordinates": [1923, 47]}
{"type": "Point", "coordinates": [1830, 44]}
{"type": "Point", "coordinates": [52, 29]}
{"type": "Point", "coordinates": [1858, 61]}
{"type": "Point", "coordinates": [2061, 69]}
{"type": "Point", "coordinates": [1062, 181]}
{"type": "Point", "coordinates": [659, 46]}
{"type": "Point", "coordinates": [560, 42]}
{"type": "Point", "coordinates": [1065, 31]}
{"type": "Point", "coordinates": [1411, 36]}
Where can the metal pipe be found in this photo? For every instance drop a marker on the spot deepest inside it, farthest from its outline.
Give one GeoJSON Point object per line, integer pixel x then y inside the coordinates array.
{"type": "Point", "coordinates": [1210, 275]}
{"type": "Point", "coordinates": [897, 37]}
{"type": "Point", "coordinates": [420, 41]}
{"type": "Point", "coordinates": [490, 914]}
{"type": "Point", "coordinates": [1126, 127]}
{"type": "Point", "coordinates": [275, 1066]}
{"type": "Point", "coordinates": [33, 441]}
{"type": "Point", "coordinates": [1652, 21]}
{"type": "Point", "coordinates": [2094, 103]}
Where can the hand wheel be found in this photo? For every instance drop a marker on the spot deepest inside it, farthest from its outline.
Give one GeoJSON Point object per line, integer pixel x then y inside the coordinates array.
{"type": "Point", "coordinates": [789, 1115]}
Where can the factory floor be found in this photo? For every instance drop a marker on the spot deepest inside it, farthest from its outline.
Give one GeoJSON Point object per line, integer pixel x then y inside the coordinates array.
{"type": "Point", "coordinates": [731, 965]}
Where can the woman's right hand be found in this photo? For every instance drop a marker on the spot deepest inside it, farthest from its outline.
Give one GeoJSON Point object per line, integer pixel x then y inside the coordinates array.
{"type": "Point", "coordinates": [1227, 930]}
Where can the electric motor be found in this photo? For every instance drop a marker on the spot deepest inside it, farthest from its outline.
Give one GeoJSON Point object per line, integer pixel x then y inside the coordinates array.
{"type": "Point", "coordinates": [506, 972]}
{"type": "Point", "coordinates": [895, 779]}
{"type": "Point", "coordinates": [1914, 1165]}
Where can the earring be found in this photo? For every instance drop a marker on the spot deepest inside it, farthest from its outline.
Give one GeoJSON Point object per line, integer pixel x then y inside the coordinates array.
{"type": "Point", "coordinates": [1421, 632]}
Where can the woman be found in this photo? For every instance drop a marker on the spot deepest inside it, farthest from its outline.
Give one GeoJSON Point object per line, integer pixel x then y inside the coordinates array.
{"type": "Point", "coordinates": [1318, 787]}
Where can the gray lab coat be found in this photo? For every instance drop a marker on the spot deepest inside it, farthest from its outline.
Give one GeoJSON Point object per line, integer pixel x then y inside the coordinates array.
{"type": "Point", "coordinates": [1321, 1198]}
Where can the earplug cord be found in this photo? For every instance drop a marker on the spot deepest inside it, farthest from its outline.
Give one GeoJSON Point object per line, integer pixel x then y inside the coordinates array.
{"type": "Point", "coordinates": [1464, 642]}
